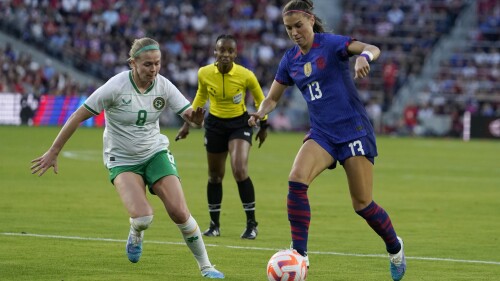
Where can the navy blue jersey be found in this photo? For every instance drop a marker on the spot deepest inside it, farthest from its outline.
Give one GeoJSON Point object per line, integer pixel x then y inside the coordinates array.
{"type": "Point", "coordinates": [323, 77]}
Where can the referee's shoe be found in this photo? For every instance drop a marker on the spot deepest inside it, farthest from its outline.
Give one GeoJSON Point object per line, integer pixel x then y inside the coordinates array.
{"type": "Point", "coordinates": [213, 230]}
{"type": "Point", "coordinates": [251, 230]}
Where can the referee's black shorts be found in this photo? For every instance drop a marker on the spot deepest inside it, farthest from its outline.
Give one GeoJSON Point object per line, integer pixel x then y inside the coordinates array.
{"type": "Point", "coordinates": [219, 131]}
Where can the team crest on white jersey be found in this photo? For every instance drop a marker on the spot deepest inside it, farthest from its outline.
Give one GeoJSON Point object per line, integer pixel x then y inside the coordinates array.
{"type": "Point", "coordinates": [307, 69]}
{"type": "Point", "coordinates": [159, 103]}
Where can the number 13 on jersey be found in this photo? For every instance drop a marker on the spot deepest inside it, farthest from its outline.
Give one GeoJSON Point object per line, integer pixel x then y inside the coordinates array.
{"type": "Point", "coordinates": [314, 90]}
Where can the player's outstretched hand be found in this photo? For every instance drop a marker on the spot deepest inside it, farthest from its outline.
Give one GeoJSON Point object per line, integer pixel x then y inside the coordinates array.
{"type": "Point", "coordinates": [254, 119]}
{"type": "Point", "coordinates": [43, 163]}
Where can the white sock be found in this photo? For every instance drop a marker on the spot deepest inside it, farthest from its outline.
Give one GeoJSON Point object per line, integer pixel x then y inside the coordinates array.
{"type": "Point", "coordinates": [194, 240]}
{"type": "Point", "coordinates": [138, 225]}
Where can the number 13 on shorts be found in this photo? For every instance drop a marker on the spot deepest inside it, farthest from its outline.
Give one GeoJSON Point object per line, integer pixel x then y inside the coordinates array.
{"type": "Point", "coordinates": [356, 148]}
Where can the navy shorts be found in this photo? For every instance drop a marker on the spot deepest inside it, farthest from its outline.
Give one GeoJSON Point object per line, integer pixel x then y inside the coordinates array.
{"type": "Point", "coordinates": [219, 131]}
{"type": "Point", "coordinates": [362, 146]}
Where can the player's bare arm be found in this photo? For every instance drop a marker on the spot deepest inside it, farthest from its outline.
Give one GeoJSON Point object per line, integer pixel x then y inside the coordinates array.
{"type": "Point", "coordinates": [268, 104]}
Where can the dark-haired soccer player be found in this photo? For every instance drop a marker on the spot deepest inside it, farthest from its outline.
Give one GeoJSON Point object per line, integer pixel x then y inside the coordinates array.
{"type": "Point", "coordinates": [340, 129]}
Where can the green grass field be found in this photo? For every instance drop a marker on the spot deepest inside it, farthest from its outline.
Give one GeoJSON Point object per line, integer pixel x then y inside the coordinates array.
{"type": "Point", "coordinates": [443, 197]}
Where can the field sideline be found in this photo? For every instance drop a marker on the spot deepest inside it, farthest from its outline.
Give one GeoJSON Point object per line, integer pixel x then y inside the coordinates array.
{"type": "Point", "coordinates": [443, 196]}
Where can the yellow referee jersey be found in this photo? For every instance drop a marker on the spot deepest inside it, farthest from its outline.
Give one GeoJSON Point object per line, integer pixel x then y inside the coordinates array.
{"type": "Point", "coordinates": [227, 92]}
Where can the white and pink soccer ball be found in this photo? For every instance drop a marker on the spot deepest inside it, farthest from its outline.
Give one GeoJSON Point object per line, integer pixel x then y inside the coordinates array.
{"type": "Point", "coordinates": [287, 265]}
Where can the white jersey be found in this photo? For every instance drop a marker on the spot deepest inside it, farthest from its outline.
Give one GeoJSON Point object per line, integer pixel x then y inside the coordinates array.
{"type": "Point", "coordinates": [132, 132]}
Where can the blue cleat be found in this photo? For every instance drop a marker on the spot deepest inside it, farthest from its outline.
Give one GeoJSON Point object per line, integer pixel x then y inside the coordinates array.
{"type": "Point", "coordinates": [134, 246]}
{"type": "Point", "coordinates": [211, 272]}
{"type": "Point", "coordinates": [398, 263]}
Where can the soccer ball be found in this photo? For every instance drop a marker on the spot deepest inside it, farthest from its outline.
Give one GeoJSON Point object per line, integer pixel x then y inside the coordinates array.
{"type": "Point", "coordinates": [287, 265]}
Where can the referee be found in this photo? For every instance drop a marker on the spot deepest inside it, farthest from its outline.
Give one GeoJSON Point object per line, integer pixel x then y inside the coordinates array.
{"type": "Point", "coordinates": [225, 84]}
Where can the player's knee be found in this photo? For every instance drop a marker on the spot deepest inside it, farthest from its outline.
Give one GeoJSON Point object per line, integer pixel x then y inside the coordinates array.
{"type": "Point", "coordinates": [240, 174]}
{"type": "Point", "coordinates": [298, 176]}
{"type": "Point", "coordinates": [179, 216]}
{"type": "Point", "coordinates": [215, 178]}
{"type": "Point", "coordinates": [141, 223]}
{"type": "Point", "coordinates": [360, 204]}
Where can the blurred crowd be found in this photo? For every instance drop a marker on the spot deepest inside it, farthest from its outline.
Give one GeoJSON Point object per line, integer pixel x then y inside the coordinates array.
{"type": "Point", "coordinates": [95, 37]}
{"type": "Point", "coordinates": [467, 80]}
{"type": "Point", "coordinates": [21, 74]}
{"type": "Point", "coordinates": [405, 30]}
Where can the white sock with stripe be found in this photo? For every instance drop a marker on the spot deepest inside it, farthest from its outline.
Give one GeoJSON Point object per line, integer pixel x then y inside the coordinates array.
{"type": "Point", "coordinates": [194, 240]}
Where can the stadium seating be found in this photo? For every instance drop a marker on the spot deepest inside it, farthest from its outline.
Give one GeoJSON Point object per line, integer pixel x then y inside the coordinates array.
{"type": "Point", "coordinates": [95, 36]}
{"type": "Point", "coordinates": [406, 31]}
{"type": "Point", "coordinates": [468, 78]}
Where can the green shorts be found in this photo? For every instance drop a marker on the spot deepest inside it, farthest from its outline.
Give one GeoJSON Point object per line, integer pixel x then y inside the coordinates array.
{"type": "Point", "coordinates": [162, 164]}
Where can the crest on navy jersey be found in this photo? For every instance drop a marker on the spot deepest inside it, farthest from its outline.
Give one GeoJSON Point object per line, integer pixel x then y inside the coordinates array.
{"type": "Point", "coordinates": [159, 103]}
{"type": "Point", "coordinates": [320, 62]}
{"type": "Point", "coordinates": [307, 69]}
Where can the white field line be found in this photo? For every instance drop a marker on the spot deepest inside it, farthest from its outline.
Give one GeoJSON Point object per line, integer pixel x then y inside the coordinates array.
{"type": "Point", "coordinates": [245, 248]}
